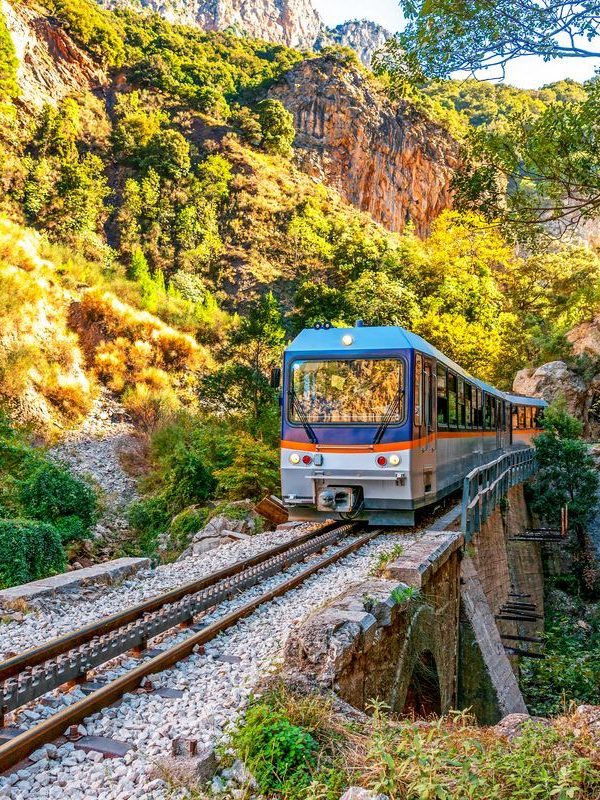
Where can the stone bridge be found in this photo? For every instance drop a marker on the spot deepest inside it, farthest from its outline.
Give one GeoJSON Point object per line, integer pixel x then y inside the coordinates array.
{"type": "Point", "coordinates": [425, 637]}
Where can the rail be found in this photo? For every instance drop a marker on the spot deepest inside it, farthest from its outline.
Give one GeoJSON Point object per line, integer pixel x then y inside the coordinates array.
{"type": "Point", "coordinates": [485, 486]}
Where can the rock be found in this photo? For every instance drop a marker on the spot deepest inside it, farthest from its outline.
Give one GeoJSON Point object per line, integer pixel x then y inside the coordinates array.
{"type": "Point", "coordinates": [551, 381]}
{"type": "Point", "coordinates": [295, 23]}
{"type": "Point", "coordinates": [384, 157]}
{"type": "Point", "coordinates": [357, 793]}
{"type": "Point", "coordinates": [512, 724]}
{"type": "Point", "coordinates": [199, 768]}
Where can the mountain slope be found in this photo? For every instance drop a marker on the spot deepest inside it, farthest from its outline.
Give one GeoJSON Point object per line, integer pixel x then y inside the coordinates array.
{"type": "Point", "coordinates": [295, 23]}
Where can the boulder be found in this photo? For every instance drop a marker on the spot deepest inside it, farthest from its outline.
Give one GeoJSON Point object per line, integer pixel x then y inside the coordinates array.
{"type": "Point", "coordinates": [554, 380]}
{"type": "Point", "coordinates": [585, 338]}
{"type": "Point", "coordinates": [358, 793]}
{"type": "Point", "coordinates": [218, 531]}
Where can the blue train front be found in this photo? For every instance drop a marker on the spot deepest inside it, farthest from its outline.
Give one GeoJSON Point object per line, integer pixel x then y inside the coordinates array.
{"type": "Point", "coordinates": [377, 423]}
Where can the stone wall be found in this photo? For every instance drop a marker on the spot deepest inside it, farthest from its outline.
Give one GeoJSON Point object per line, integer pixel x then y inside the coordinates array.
{"type": "Point", "coordinates": [394, 638]}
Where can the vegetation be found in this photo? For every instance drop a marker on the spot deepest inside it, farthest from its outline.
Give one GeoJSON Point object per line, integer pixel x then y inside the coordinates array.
{"type": "Point", "coordinates": [567, 476]}
{"type": "Point", "coordinates": [298, 747]}
{"type": "Point", "coordinates": [443, 38]}
{"type": "Point", "coordinates": [570, 671]}
{"type": "Point", "coordinates": [42, 508]}
{"type": "Point", "coordinates": [8, 63]}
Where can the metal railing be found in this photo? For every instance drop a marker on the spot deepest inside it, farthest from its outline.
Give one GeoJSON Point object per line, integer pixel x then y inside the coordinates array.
{"type": "Point", "coordinates": [485, 486]}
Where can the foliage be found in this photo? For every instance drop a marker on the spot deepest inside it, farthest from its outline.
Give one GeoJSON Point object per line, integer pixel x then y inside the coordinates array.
{"type": "Point", "coordinates": [441, 758]}
{"type": "Point", "coordinates": [570, 670]}
{"type": "Point", "coordinates": [42, 507]}
{"type": "Point", "coordinates": [253, 471]}
{"type": "Point", "coordinates": [384, 558]}
{"type": "Point", "coordinates": [8, 63]}
{"type": "Point", "coordinates": [92, 26]}
{"type": "Point", "coordinates": [29, 550]}
{"type": "Point", "coordinates": [53, 494]}
{"type": "Point", "coordinates": [446, 37]}
{"type": "Point", "coordinates": [566, 471]}
{"type": "Point", "coordinates": [280, 755]}
{"type": "Point", "coordinates": [277, 127]}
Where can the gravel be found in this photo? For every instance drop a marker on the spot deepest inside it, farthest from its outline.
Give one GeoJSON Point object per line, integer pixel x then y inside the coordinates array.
{"type": "Point", "coordinates": [215, 692]}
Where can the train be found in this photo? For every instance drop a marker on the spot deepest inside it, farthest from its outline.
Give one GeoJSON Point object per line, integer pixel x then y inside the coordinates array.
{"type": "Point", "coordinates": [378, 423]}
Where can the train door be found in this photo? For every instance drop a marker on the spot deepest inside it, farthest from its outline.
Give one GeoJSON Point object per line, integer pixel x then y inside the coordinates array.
{"type": "Point", "coordinates": [428, 404]}
{"type": "Point", "coordinates": [500, 422]}
{"type": "Point", "coordinates": [428, 439]}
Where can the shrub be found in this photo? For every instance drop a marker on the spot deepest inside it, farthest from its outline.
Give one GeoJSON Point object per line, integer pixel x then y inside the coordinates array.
{"type": "Point", "coordinates": [150, 405]}
{"type": "Point", "coordinates": [253, 471]}
{"type": "Point", "coordinates": [150, 517]}
{"type": "Point", "coordinates": [280, 755]}
{"type": "Point", "coordinates": [29, 550]}
{"type": "Point", "coordinates": [54, 495]}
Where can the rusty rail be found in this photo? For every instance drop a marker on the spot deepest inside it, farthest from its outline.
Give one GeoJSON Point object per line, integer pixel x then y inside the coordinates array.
{"type": "Point", "coordinates": [18, 748]}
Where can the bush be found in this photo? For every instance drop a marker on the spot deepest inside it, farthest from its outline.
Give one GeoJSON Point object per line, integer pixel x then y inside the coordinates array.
{"type": "Point", "coordinates": [280, 755]}
{"type": "Point", "coordinates": [29, 550]}
{"type": "Point", "coordinates": [150, 517]}
{"type": "Point", "coordinates": [52, 494]}
{"type": "Point", "coordinates": [253, 471]}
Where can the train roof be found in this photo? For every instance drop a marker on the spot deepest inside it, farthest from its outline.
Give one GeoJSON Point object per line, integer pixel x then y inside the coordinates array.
{"type": "Point", "coordinates": [311, 341]}
{"type": "Point", "coordinates": [524, 400]}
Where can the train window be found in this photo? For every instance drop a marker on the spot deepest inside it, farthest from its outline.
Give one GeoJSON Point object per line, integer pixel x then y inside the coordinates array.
{"type": "Point", "coordinates": [487, 417]}
{"type": "Point", "coordinates": [461, 403]}
{"type": "Point", "coordinates": [528, 423]}
{"type": "Point", "coordinates": [515, 418]}
{"type": "Point", "coordinates": [418, 389]}
{"type": "Point", "coordinates": [539, 418]}
{"type": "Point", "coordinates": [442, 400]}
{"type": "Point", "coordinates": [505, 417]}
{"type": "Point", "coordinates": [521, 417]}
{"type": "Point", "coordinates": [468, 405]}
{"type": "Point", "coordinates": [452, 396]}
{"type": "Point", "coordinates": [361, 390]}
{"type": "Point", "coordinates": [479, 409]}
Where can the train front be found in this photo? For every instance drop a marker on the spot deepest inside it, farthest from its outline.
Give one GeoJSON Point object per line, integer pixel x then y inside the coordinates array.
{"type": "Point", "coordinates": [345, 450]}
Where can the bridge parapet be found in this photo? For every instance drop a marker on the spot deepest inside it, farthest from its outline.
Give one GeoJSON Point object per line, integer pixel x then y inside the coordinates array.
{"type": "Point", "coordinates": [486, 486]}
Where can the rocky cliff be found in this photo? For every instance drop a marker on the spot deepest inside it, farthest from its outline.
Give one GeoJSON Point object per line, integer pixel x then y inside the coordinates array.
{"type": "Point", "coordinates": [51, 65]}
{"type": "Point", "coordinates": [385, 158]}
{"type": "Point", "coordinates": [578, 385]}
{"type": "Point", "coordinates": [363, 36]}
{"type": "Point", "coordinates": [295, 23]}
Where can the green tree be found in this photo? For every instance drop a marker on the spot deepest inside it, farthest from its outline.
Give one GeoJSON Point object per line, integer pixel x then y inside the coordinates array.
{"type": "Point", "coordinates": [9, 87]}
{"type": "Point", "coordinates": [168, 152]}
{"type": "Point", "coordinates": [448, 36]}
{"type": "Point", "coordinates": [277, 125]}
{"type": "Point", "coordinates": [566, 476]}
{"type": "Point", "coordinates": [254, 347]}
{"type": "Point", "coordinates": [379, 300]}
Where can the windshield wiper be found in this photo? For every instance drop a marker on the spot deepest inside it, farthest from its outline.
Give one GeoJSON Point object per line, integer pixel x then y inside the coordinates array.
{"type": "Point", "coordinates": [388, 417]}
{"type": "Point", "coordinates": [297, 405]}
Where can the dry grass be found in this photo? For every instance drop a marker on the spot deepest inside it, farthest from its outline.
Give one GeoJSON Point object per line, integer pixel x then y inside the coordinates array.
{"type": "Point", "coordinates": [41, 365]}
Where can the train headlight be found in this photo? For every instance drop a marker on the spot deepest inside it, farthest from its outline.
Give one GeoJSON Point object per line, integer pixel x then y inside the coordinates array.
{"type": "Point", "coordinates": [382, 461]}
{"type": "Point", "coordinates": [306, 460]}
{"type": "Point", "coordinates": [347, 339]}
{"type": "Point", "coordinates": [294, 458]}
{"type": "Point", "coordinates": [394, 460]}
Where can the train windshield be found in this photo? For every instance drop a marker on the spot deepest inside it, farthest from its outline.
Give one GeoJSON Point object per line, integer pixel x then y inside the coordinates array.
{"type": "Point", "coordinates": [358, 391]}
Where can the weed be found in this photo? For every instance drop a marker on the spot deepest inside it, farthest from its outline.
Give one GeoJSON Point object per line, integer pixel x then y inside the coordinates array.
{"type": "Point", "coordinates": [403, 593]}
{"type": "Point", "coordinates": [383, 559]}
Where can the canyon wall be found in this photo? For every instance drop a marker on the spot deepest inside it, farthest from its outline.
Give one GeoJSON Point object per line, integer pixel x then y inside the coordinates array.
{"type": "Point", "coordinates": [385, 158]}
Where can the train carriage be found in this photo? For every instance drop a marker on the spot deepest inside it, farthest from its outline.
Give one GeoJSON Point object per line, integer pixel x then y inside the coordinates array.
{"type": "Point", "coordinates": [377, 423]}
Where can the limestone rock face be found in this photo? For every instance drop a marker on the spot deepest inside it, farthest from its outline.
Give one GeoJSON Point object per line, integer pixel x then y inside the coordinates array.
{"type": "Point", "coordinates": [585, 338]}
{"type": "Point", "coordinates": [385, 158]}
{"type": "Point", "coordinates": [295, 23]}
{"type": "Point", "coordinates": [556, 379]}
{"type": "Point", "coordinates": [51, 65]}
{"type": "Point", "coordinates": [363, 36]}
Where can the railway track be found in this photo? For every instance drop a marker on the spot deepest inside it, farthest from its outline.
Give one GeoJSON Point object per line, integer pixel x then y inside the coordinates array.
{"type": "Point", "coordinates": [70, 658]}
